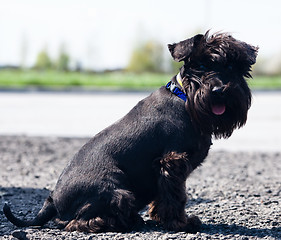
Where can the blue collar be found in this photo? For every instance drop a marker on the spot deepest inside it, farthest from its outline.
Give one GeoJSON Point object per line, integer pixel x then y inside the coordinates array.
{"type": "Point", "coordinates": [175, 90]}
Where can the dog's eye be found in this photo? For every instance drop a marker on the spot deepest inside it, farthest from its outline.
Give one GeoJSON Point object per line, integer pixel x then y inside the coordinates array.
{"type": "Point", "coordinates": [202, 67]}
{"type": "Point", "coordinates": [229, 67]}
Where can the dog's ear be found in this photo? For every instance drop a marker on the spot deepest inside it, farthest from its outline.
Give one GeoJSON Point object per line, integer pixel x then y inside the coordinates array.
{"type": "Point", "coordinates": [182, 50]}
{"type": "Point", "coordinates": [248, 58]}
{"type": "Point", "coordinates": [251, 53]}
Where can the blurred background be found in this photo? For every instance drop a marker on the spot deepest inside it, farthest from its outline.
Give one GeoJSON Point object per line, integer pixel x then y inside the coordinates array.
{"type": "Point", "coordinates": [89, 37]}
{"type": "Point", "coordinates": [97, 47]}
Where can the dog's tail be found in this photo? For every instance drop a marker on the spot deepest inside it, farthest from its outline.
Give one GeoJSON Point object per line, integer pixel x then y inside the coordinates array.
{"type": "Point", "coordinates": [47, 212]}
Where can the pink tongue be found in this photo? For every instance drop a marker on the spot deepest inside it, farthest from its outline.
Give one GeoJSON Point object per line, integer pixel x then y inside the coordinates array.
{"type": "Point", "coordinates": [218, 109]}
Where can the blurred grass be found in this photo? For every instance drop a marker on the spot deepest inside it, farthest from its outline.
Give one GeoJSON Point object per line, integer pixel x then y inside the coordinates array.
{"type": "Point", "coordinates": [10, 79]}
{"type": "Point", "coordinates": [54, 79]}
{"type": "Point", "coordinates": [265, 82]}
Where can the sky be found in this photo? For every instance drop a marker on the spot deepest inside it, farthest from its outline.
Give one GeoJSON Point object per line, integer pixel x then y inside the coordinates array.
{"type": "Point", "coordinates": [101, 34]}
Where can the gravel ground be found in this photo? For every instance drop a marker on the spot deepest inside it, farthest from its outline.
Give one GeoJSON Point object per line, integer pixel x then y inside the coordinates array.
{"type": "Point", "coordinates": [236, 195]}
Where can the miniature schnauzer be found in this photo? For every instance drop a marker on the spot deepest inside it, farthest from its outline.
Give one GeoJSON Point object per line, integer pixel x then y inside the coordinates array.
{"type": "Point", "coordinates": [145, 157]}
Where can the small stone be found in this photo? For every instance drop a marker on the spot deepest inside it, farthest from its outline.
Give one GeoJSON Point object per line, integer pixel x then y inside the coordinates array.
{"type": "Point", "coordinates": [21, 235]}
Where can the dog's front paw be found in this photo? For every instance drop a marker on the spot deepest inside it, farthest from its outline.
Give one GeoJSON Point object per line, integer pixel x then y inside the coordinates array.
{"type": "Point", "coordinates": [193, 224]}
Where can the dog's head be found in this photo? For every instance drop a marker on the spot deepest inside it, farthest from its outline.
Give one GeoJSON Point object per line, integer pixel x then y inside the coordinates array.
{"type": "Point", "coordinates": [214, 71]}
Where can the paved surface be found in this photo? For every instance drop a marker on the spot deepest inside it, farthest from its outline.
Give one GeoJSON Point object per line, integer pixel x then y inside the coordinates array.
{"type": "Point", "coordinates": [83, 115]}
{"type": "Point", "coordinates": [236, 195]}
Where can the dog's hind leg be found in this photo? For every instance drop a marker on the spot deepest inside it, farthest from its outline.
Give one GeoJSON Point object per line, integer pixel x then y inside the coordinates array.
{"type": "Point", "coordinates": [169, 206]}
{"type": "Point", "coordinates": [94, 225]}
{"type": "Point", "coordinates": [119, 215]}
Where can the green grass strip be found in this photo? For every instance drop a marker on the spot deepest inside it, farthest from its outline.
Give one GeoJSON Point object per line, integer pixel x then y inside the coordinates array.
{"type": "Point", "coordinates": [113, 80]}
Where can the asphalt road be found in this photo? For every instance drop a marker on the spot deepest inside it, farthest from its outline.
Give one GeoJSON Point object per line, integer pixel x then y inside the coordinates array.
{"type": "Point", "coordinates": [85, 114]}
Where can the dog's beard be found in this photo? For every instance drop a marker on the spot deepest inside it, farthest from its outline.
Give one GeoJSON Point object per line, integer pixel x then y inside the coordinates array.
{"type": "Point", "coordinates": [218, 116]}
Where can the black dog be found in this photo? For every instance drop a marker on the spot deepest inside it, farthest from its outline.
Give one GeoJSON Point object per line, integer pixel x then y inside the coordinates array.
{"type": "Point", "coordinates": [145, 157]}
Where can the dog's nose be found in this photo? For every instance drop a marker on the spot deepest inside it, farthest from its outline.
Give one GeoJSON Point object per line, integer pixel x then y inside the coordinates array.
{"type": "Point", "coordinates": [218, 90]}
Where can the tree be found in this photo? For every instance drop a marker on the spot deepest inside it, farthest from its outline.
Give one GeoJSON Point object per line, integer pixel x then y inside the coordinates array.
{"type": "Point", "coordinates": [148, 57]}
{"type": "Point", "coordinates": [62, 63]}
{"type": "Point", "coordinates": [43, 61]}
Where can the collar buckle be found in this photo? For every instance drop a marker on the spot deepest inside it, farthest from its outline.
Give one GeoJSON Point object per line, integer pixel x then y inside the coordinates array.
{"type": "Point", "coordinates": [172, 87]}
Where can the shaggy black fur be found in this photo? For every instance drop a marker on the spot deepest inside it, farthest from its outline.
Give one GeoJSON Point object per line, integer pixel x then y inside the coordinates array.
{"type": "Point", "coordinates": [145, 158]}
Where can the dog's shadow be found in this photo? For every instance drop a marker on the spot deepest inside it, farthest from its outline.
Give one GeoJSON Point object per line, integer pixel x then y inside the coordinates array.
{"type": "Point", "coordinates": [26, 201]}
